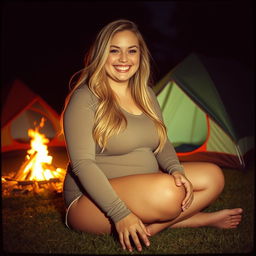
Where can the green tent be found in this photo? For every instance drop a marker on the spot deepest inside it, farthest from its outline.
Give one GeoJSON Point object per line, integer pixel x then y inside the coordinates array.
{"type": "Point", "coordinates": [206, 121]}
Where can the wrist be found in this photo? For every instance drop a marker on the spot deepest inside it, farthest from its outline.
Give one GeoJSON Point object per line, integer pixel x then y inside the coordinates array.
{"type": "Point", "coordinates": [176, 169]}
{"type": "Point", "coordinates": [176, 172]}
{"type": "Point", "coordinates": [181, 171]}
{"type": "Point", "coordinates": [120, 217]}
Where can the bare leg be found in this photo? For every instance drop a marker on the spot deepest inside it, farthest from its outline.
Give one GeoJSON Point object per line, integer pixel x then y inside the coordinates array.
{"type": "Point", "coordinates": [152, 197]}
{"type": "Point", "coordinates": [208, 182]}
{"type": "Point", "coordinates": [227, 218]}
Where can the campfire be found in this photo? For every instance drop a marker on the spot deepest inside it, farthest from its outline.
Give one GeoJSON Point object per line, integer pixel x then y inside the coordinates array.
{"type": "Point", "coordinates": [37, 172]}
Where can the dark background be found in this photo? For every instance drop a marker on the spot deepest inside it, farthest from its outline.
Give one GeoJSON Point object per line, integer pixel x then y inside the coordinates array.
{"type": "Point", "coordinates": [44, 43]}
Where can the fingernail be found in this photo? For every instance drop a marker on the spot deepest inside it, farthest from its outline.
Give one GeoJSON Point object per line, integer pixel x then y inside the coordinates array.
{"type": "Point", "coordinates": [139, 249]}
{"type": "Point", "coordinates": [147, 244]}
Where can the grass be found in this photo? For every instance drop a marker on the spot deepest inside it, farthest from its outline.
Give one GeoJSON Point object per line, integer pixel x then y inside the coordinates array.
{"type": "Point", "coordinates": [35, 224]}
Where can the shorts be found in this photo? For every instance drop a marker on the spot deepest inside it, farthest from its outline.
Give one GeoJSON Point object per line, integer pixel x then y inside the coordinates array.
{"type": "Point", "coordinates": [67, 210]}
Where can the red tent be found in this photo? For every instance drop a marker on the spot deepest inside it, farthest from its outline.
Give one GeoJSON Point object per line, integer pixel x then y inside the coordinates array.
{"type": "Point", "coordinates": [21, 111]}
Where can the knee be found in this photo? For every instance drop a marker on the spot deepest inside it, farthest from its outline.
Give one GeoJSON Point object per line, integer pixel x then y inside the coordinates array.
{"type": "Point", "coordinates": [214, 177]}
{"type": "Point", "coordinates": [170, 197]}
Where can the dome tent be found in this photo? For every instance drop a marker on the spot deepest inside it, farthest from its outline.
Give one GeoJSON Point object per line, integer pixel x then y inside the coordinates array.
{"type": "Point", "coordinates": [21, 111]}
{"type": "Point", "coordinates": [204, 110]}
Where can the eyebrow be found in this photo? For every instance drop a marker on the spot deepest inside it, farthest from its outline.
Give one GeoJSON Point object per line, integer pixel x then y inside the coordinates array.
{"type": "Point", "coordinates": [128, 47]}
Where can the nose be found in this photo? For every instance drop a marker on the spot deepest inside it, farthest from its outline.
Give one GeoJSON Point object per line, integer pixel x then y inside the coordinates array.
{"type": "Point", "coordinates": [123, 57]}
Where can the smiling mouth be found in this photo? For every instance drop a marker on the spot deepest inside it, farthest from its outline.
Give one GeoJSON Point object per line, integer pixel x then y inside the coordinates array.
{"type": "Point", "coordinates": [122, 68]}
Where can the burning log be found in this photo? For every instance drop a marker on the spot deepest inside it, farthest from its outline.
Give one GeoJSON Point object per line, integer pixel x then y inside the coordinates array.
{"type": "Point", "coordinates": [25, 167]}
{"type": "Point", "coordinates": [40, 182]}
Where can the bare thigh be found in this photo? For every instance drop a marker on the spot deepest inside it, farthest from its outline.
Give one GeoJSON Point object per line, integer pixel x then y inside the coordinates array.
{"type": "Point", "coordinates": [144, 194]}
{"type": "Point", "coordinates": [204, 175]}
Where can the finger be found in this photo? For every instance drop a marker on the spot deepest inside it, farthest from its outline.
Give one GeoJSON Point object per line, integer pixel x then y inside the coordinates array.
{"type": "Point", "coordinates": [177, 181]}
{"type": "Point", "coordinates": [136, 240]}
{"type": "Point", "coordinates": [121, 239]}
{"type": "Point", "coordinates": [187, 197]}
{"type": "Point", "coordinates": [127, 241]}
{"type": "Point", "coordinates": [188, 192]}
{"type": "Point", "coordinates": [144, 237]}
{"type": "Point", "coordinates": [187, 205]}
{"type": "Point", "coordinates": [144, 228]}
{"type": "Point", "coordinates": [189, 202]}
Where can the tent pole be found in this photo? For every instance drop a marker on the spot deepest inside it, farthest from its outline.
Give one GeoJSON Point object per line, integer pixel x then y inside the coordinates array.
{"type": "Point", "coordinates": [238, 151]}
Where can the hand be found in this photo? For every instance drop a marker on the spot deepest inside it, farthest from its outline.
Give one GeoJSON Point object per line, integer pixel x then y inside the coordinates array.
{"type": "Point", "coordinates": [130, 226]}
{"type": "Point", "coordinates": [180, 180]}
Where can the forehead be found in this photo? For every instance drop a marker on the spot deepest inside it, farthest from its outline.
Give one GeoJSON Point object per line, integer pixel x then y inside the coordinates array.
{"type": "Point", "coordinates": [124, 38]}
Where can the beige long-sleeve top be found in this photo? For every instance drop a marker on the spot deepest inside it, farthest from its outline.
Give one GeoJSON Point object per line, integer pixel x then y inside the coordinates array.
{"type": "Point", "coordinates": [130, 152]}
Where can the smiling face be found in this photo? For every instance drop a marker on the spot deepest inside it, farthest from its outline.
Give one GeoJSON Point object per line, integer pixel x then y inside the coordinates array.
{"type": "Point", "coordinates": [124, 57]}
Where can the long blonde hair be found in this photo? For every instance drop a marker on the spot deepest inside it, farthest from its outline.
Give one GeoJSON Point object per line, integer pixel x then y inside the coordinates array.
{"type": "Point", "coordinates": [109, 120]}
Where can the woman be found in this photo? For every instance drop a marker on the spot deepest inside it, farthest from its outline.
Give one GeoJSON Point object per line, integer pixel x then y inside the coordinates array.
{"type": "Point", "coordinates": [124, 174]}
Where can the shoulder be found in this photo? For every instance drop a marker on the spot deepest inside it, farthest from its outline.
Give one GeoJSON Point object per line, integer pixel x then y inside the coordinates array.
{"type": "Point", "coordinates": [84, 97]}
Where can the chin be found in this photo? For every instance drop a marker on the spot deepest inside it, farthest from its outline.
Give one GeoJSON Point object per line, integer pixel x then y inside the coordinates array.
{"type": "Point", "coordinates": [119, 80]}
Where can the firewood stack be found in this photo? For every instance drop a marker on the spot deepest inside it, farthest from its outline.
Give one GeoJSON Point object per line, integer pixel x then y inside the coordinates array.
{"type": "Point", "coordinates": [27, 178]}
{"type": "Point", "coordinates": [22, 180]}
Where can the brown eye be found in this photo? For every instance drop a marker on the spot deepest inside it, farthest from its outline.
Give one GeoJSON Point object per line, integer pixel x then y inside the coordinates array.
{"type": "Point", "coordinates": [113, 51]}
{"type": "Point", "coordinates": [133, 51]}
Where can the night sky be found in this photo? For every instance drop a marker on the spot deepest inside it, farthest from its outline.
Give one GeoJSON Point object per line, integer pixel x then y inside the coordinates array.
{"type": "Point", "coordinates": [44, 43]}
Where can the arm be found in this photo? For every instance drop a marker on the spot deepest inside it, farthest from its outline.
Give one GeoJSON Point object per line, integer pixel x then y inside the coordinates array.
{"type": "Point", "coordinates": [168, 159]}
{"type": "Point", "coordinates": [78, 125]}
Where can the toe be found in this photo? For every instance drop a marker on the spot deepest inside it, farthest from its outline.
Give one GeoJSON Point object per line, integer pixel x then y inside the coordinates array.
{"type": "Point", "coordinates": [237, 217]}
{"type": "Point", "coordinates": [236, 211]}
{"type": "Point", "coordinates": [239, 210]}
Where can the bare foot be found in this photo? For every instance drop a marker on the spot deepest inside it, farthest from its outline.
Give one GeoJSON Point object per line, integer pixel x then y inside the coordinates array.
{"type": "Point", "coordinates": [228, 218]}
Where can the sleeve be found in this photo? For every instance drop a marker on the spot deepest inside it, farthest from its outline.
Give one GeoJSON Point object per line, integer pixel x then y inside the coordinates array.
{"type": "Point", "coordinates": [78, 123]}
{"type": "Point", "coordinates": [167, 158]}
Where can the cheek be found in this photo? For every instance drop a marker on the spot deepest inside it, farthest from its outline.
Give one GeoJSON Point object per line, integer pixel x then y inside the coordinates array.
{"type": "Point", "coordinates": [136, 62]}
{"type": "Point", "coordinates": [108, 64]}
{"type": "Point", "coordinates": [109, 61]}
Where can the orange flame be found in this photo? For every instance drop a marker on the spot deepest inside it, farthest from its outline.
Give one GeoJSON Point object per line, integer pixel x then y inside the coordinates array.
{"type": "Point", "coordinates": [40, 167]}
